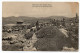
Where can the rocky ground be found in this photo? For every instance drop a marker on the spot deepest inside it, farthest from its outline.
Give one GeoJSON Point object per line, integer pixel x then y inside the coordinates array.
{"type": "Point", "coordinates": [46, 39]}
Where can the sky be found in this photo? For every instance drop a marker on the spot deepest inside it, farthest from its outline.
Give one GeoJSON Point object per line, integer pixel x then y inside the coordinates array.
{"type": "Point", "coordinates": [67, 9]}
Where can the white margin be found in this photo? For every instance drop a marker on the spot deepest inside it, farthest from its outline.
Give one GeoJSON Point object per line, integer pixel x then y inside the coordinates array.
{"type": "Point", "coordinates": [33, 1]}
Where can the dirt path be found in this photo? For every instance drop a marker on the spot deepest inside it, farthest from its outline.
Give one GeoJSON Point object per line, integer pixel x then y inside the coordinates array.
{"type": "Point", "coordinates": [29, 44]}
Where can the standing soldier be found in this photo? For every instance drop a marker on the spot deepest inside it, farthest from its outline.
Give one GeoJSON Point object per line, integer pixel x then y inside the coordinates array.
{"type": "Point", "coordinates": [37, 25]}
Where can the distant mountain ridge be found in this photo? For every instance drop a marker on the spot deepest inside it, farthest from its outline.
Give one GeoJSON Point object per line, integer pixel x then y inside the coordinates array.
{"type": "Point", "coordinates": [26, 19]}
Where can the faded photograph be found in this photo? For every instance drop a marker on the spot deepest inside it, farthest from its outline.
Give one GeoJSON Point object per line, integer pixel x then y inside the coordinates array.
{"type": "Point", "coordinates": [40, 26]}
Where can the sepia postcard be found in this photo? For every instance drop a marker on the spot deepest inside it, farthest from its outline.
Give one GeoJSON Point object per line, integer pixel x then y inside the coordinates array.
{"type": "Point", "coordinates": [40, 26]}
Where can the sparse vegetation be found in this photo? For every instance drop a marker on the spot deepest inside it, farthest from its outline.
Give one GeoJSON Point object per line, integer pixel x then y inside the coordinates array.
{"type": "Point", "coordinates": [48, 35]}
